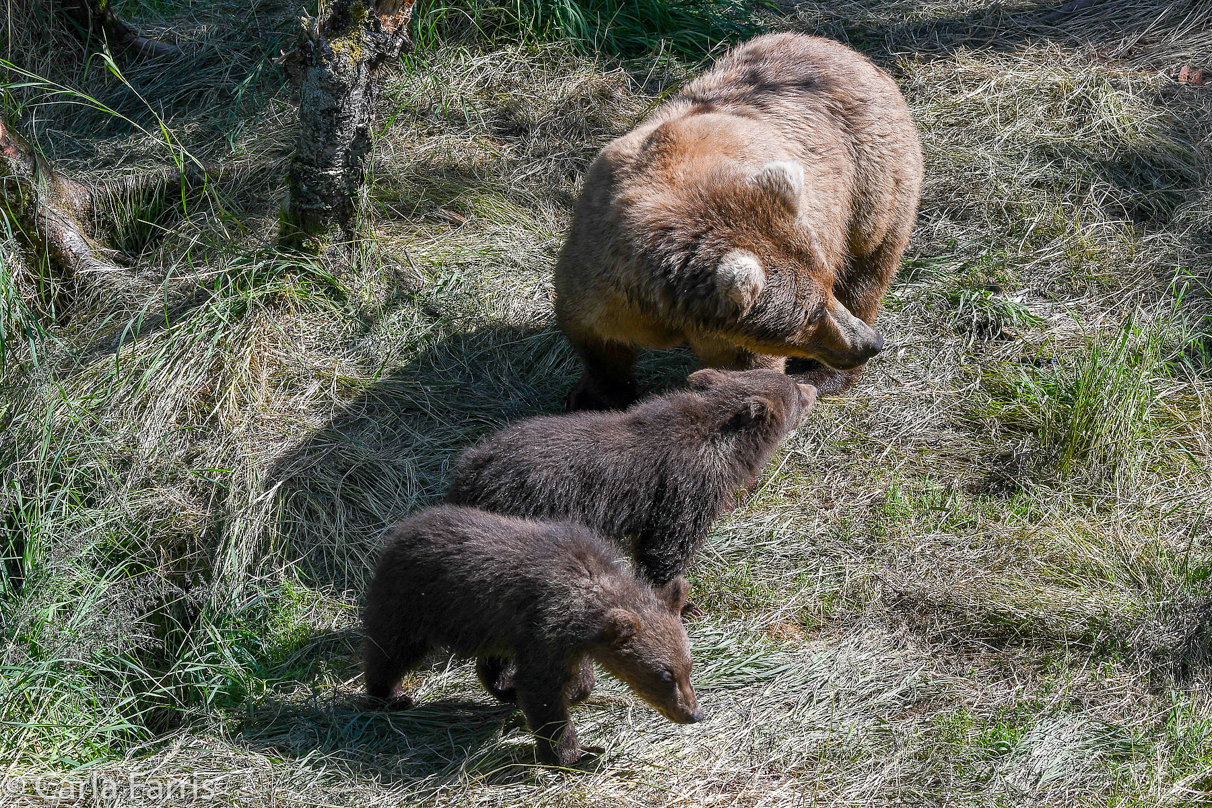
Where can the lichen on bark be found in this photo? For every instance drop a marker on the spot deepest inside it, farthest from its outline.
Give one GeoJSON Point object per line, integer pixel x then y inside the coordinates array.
{"type": "Point", "coordinates": [339, 59]}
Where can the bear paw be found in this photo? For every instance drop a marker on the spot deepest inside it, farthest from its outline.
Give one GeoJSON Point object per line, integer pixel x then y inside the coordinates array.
{"type": "Point", "coordinates": [691, 612]}
{"type": "Point", "coordinates": [393, 703]}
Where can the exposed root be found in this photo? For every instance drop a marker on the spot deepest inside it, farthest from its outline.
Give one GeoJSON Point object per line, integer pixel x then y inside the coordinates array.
{"type": "Point", "coordinates": [95, 20]}
{"type": "Point", "coordinates": [61, 218]}
{"type": "Point", "coordinates": [48, 208]}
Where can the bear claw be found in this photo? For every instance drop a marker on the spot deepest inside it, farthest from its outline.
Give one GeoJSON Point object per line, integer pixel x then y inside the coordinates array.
{"type": "Point", "coordinates": [691, 612]}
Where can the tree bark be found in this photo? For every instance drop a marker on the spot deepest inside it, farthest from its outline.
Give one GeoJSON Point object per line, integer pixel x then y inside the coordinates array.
{"type": "Point", "coordinates": [51, 211]}
{"type": "Point", "coordinates": [339, 59]}
{"type": "Point", "coordinates": [95, 20]}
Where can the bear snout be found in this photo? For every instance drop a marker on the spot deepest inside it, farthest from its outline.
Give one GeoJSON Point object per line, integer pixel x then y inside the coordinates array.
{"type": "Point", "coordinates": [688, 710]}
{"type": "Point", "coordinates": [874, 347]}
{"type": "Point", "coordinates": [845, 341]}
{"type": "Point", "coordinates": [681, 715]}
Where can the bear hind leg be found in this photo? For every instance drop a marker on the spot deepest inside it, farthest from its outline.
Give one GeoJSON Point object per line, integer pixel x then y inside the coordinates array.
{"type": "Point", "coordinates": [497, 675]}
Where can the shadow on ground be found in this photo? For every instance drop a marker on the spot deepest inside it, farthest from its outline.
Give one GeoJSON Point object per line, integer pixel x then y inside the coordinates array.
{"type": "Point", "coordinates": [436, 743]}
{"type": "Point", "coordinates": [389, 451]}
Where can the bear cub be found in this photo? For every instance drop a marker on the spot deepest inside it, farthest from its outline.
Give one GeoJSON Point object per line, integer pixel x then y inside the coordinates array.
{"type": "Point", "coordinates": [553, 596]}
{"type": "Point", "coordinates": [656, 475]}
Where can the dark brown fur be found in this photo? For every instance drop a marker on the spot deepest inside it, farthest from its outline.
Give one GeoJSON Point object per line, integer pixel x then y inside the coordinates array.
{"type": "Point", "coordinates": [760, 213]}
{"type": "Point", "coordinates": [656, 475]}
{"type": "Point", "coordinates": [551, 595]}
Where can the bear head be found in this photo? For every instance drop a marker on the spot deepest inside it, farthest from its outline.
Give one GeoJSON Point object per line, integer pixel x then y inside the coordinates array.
{"type": "Point", "coordinates": [736, 254]}
{"type": "Point", "coordinates": [645, 646]}
{"type": "Point", "coordinates": [767, 401]}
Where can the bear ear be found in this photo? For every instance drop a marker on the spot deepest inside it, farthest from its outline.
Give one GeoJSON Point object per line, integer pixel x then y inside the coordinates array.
{"type": "Point", "coordinates": [620, 626]}
{"type": "Point", "coordinates": [808, 396]}
{"type": "Point", "coordinates": [706, 378]}
{"type": "Point", "coordinates": [740, 278]}
{"type": "Point", "coordinates": [784, 180]}
{"type": "Point", "coordinates": [675, 594]}
{"type": "Point", "coordinates": [754, 410]}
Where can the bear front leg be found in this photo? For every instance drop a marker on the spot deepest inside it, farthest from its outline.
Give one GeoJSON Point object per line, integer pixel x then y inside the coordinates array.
{"type": "Point", "coordinates": [860, 290]}
{"type": "Point", "coordinates": [747, 360]}
{"type": "Point", "coordinates": [497, 675]}
{"type": "Point", "coordinates": [671, 532]}
{"type": "Point", "coordinates": [719, 352]}
{"type": "Point", "coordinates": [606, 383]}
{"type": "Point", "coordinates": [659, 562]}
{"type": "Point", "coordinates": [664, 548]}
{"type": "Point", "coordinates": [382, 669]}
{"type": "Point", "coordinates": [581, 685]}
{"type": "Point", "coordinates": [826, 380]}
{"type": "Point", "coordinates": [542, 689]}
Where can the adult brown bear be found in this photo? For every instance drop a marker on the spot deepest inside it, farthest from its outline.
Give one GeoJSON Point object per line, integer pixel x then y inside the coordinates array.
{"type": "Point", "coordinates": [759, 214]}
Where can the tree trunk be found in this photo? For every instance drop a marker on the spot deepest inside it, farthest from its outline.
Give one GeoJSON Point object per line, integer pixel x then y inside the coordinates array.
{"type": "Point", "coordinates": [339, 59]}
{"type": "Point", "coordinates": [95, 21]}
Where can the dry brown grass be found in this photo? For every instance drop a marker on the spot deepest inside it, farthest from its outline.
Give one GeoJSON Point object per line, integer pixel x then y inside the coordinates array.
{"type": "Point", "coordinates": [981, 578]}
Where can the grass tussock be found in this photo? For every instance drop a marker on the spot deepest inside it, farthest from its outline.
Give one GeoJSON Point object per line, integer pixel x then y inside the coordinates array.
{"type": "Point", "coordinates": [982, 578]}
{"type": "Point", "coordinates": [626, 28]}
{"type": "Point", "coordinates": [1102, 416]}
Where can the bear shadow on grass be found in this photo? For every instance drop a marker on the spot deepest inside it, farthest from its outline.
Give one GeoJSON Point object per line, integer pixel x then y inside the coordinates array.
{"type": "Point", "coordinates": [389, 451]}
{"type": "Point", "coordinates": [445, 734]}
{"type": "Point", "coordinates": [428, 746]}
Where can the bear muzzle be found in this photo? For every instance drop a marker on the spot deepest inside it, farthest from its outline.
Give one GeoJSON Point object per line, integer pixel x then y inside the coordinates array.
{"type": "Point", "coordinates": [680, 715]}
{"type": "Point", "coordinates": [843, 341]}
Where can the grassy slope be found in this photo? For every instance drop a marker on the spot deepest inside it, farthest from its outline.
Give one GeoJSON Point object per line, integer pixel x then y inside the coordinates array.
{"type": "Point", "coordinates": [980, 578]}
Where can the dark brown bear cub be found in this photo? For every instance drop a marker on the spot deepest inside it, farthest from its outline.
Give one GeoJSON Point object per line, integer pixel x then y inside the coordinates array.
{"type": "Point", "coordinates": [656, 475]}
{"type": "Point", "coordinates": [550, 595]}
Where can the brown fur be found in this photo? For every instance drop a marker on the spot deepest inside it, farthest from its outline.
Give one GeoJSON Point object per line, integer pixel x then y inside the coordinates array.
{"type": "Point", "coordinates": [759, 214]}
{"type": "Point", "coordinates": [655, 476]}
{"type": "Point", "coordinates": [553, 596]}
